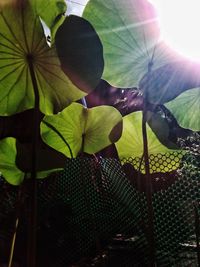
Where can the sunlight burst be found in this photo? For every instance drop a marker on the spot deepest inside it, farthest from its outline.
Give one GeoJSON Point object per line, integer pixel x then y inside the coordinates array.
{"type": "Point", "coordinates": [179, 24]}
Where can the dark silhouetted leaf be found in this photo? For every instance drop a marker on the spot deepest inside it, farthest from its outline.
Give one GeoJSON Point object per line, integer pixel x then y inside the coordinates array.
{"type": "Point", "coordinates": [169, 81]}
{"type": "Point", "coordinates": [80, 51]}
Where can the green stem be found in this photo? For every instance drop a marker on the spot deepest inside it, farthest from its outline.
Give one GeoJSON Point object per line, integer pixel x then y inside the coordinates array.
{"type": "Point", "coordinates": [139, 173]}
{"type": "Point", "coordinates": [33, 186]}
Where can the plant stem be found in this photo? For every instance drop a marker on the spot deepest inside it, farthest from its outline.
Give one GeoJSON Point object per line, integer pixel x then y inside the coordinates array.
{"type": "Point", "coordinates": [197, 231]}
{"type": "Point", "coordinates": [33, 186]}
{"type": "Point", "coordinates": [13, 243]}
{"type": "Point", "coordinates": [148, 191]}
{"type": "Point", "coordinates": [84, 102]}
{"type": "Point", "coordinates": [148, 181]}
{"type": "Point", "coordinates": [18, 211]}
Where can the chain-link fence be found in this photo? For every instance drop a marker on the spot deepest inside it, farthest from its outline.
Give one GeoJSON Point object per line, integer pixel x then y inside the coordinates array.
{"type": "Point", "coordinates": [98, 208]}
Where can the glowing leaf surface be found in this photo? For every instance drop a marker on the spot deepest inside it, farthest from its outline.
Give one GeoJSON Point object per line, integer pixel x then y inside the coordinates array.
{"type": "Point", "coordinates": [22, 46]}
{"type": "Point", "coordinates": [82, 130]}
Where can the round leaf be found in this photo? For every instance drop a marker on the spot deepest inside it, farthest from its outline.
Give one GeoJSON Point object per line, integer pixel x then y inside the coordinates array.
{"type": "Point", "coordinates": [186, 109]}
{"type": "Point", "coordinates": [80, 51]}
{"type": "Point", "coordinates": [129, 32]}
{"type": "Point", "coordinates": [131, 142]}
{"type": "Point", "coordinates": [22, 45]}
{"type": "Point", "coordinates": [77, 129]}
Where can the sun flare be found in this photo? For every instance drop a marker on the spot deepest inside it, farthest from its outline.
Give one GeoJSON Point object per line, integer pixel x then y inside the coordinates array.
{"type": "Point", "coordinates": [180, 25]}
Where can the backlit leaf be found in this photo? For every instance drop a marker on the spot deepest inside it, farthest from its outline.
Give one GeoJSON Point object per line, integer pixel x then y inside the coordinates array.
{"type": "Point", "coordinates": [186, 109]}
{"type": "Point", "coordinates": [129, 33]}
{"type": "Point", "coordinates": [22, 44]}
{"type": "Point", "coordinates": [77, 129]}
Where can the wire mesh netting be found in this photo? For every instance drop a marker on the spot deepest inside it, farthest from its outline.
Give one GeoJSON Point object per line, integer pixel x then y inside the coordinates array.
{"type": "Point", "coordinates": [93, 206]}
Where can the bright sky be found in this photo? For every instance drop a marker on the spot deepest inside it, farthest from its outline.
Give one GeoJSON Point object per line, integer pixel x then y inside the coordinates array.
{"type": "Point", "coordinates": [76, 6]}
{"type": "Point", "coordinates": [179, 23]}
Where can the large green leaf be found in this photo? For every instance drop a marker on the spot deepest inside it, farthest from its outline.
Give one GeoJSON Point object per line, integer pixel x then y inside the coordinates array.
{"type": "Point", "coordinates": [130, 145]}
{"type": "Point", "coordinates": [8, 166]}
{"type": "Point", "coordinates": [22, 43]}
{"type": "Point", "coordinates": [80, 51]}
{"type": "Point", "coordinates": [129, 32]}
{"type": "Point", "coordinates": [82, 130]}
{"type": "Point", "coordinates": [186, 109]}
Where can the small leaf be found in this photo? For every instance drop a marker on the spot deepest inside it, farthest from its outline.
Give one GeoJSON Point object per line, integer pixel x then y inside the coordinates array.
{"type": "Point", "coordinates": [49, 10]}
{"type": "Point", "coordinates": [80, 51]}
{"type": "Point", "coordinates": [21, 47]}
{"type": "Point", "coordinates": [52, 13]}
{"type": "Point", "coordinates": [8, 167]}
{"type": "Point", "coordinates": [77, 129]}
{"type": "Point", "coordinates": [186, 109]}
{"type": "Point", "coordinates": [131, 143]}
{"type": "Point", "coordinates": [129, 32]}
{"type": "Point", "coordinates": [169, 81]}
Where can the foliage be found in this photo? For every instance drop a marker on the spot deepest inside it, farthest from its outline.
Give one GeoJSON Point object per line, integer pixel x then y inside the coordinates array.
{"type": "Point", "coordinates": [24, 51]}
{"type": "Point", "coordinates": [134, 56]}
{"type": "Point", "coordinates": [116, 41]}
{"type": "Point", "coordinates": [129, 32]}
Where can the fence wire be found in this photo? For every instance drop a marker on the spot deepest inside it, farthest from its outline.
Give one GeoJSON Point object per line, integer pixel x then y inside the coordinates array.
{"type": "Point", "coordinates": [93, 207]}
